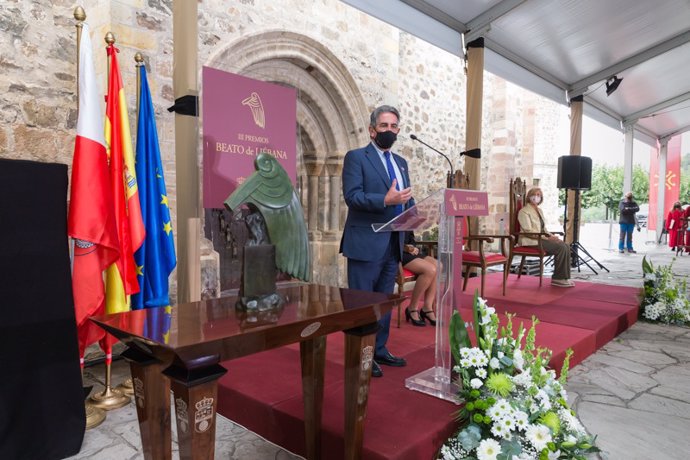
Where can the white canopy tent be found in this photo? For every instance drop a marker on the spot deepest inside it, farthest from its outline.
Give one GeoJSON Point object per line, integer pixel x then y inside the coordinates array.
{"type": "Point", "coordinates": [562, 49]}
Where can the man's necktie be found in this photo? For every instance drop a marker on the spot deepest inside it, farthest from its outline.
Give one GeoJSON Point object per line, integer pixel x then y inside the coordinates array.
{"type": "Point", "coordinates": [391, 175]}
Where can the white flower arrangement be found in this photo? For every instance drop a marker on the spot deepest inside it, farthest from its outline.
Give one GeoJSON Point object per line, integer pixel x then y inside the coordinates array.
{"type": "Point", "coordinates": [515, 409]}
{"type": "Point", "coordinates": [665, 297]}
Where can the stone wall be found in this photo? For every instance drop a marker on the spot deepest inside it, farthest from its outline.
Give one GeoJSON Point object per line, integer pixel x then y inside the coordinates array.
{"type": "Point", "coordinates": [345, 62]}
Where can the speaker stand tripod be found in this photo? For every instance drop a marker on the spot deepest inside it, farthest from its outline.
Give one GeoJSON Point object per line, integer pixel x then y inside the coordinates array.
{"type": "Point", "coordinates": [576, 249]}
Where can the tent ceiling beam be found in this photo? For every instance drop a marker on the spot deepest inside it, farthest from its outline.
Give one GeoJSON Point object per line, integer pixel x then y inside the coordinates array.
{"type": "Point", "coordinates": [478, 26]}
{"type": "Point", "coordinates": [634, 117]}
{"type": "Point", "coordinates": [580, 87]}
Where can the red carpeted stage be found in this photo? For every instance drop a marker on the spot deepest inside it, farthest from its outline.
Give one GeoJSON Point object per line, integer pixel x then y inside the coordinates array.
{"type": "Point", "coordinates": [263, 392]}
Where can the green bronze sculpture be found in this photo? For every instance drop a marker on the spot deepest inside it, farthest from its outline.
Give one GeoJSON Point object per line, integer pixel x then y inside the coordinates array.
{"type": "Point", "coordinates": [269, 194]}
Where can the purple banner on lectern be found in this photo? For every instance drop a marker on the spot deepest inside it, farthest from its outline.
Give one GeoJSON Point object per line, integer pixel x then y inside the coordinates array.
{"type": "Point", "coordinates": [243, 117]}
{"type": "Point", "coordinates": [461, 202]}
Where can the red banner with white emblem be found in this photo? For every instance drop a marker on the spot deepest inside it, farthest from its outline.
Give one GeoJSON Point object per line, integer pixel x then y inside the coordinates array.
{"type": "Point", "coordinates": [672, 180]}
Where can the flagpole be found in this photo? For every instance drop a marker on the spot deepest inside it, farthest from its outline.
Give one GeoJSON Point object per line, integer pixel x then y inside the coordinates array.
{"type": "Point", "coordinates": [139, 59]}
{"type": "Point", "coordinates": [111, 398]}
{"type": "Point", "coordinates": [94, 415]}
{"type": "Point", "coordinates": [80, 16]}
{"type": "Point", "coordinates": [127, 386]}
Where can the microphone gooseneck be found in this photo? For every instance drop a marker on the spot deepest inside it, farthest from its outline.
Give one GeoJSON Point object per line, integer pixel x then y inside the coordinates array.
{"type": "Point", "coordinates": [415, 138]}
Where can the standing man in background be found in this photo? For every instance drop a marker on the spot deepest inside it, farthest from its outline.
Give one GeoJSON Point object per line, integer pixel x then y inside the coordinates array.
{"type": "Point", "coordinates": [627, 209]}
{"type": "Point", "coordinates": [376, 187]}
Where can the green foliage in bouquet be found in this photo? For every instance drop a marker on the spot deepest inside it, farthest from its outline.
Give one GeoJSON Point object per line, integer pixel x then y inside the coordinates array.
{"type": "Point", "coordinates": [665, 297]}
{"type": "Point", "coordinates": [514, 407]}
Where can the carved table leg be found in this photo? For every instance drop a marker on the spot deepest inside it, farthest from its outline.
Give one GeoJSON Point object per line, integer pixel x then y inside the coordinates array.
{"type": "Point", "coordinates": [152, 396]}
{"type": "Point", "coordinates": [359, 355]}
{"type": "Point", "coordinates": [313, 358]}
{"type": "Point", "coordinates": [195, 394]}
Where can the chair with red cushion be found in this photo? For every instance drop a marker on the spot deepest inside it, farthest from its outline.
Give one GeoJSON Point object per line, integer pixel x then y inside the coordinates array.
{"type": "Point", "coordinates": [518, 193]}
{"type": "Point", "coordinates": [482, 259]}
{"type": "Point", "coordinates": [403, 276]}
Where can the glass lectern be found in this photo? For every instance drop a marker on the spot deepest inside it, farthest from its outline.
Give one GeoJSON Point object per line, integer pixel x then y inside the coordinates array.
{"type": "Point", "coordinates": [447, 208]}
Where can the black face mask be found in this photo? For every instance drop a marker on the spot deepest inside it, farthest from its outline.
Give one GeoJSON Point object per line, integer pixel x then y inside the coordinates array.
{"type": "Point", "coordinates": [386, 139]}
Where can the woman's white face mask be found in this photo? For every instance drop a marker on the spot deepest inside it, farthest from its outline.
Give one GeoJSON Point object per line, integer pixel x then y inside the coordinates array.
{"type": "Point", "coordinates": [535, 199]}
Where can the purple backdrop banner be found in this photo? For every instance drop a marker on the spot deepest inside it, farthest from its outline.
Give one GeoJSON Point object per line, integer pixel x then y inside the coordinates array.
{"type": "Point", "coordinates": [243, 117]}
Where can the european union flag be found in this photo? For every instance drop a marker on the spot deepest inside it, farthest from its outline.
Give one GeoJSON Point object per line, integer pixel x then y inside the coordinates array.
{"type": "Point", "coordinates": [155, 258]}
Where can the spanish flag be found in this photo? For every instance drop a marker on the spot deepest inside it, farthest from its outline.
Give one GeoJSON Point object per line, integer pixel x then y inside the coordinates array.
{"type": "Point", "coordinates": [121, 277]}
{"type": "Point", "coordinates": [91, 220]}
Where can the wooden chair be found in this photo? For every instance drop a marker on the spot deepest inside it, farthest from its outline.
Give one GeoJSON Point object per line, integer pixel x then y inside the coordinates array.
{"type": "Point", "coordinates": [518, 193]}
{"type": "Point", "coordinates": [482, 259]}
{"type": "Point", "coordinates": [403, 276]}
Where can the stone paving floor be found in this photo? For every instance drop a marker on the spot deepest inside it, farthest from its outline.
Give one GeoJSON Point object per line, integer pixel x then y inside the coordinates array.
{"type": "Point", "coordinates": [633, 394]}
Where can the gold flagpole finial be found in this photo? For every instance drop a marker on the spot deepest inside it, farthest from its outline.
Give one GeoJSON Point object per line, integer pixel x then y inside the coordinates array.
{"type": "Point", "coordinates": [79, 14]}
{"type": "Point", "coordinates": [110, 38]}
{"type": "Point", "coordinates": [139, 58]}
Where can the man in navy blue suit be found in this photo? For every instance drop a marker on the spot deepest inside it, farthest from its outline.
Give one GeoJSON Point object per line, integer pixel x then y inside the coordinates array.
{"type": "Point", "coordinates": [376, 186]}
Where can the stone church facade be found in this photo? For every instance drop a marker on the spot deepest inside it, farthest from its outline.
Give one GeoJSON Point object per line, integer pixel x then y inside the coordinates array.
{"type": "Point", "coordinates": [342, 62]}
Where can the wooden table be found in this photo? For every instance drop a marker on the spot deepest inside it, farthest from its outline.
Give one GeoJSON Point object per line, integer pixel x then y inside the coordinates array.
{"type": "Point", "coordinates": [182, 348]}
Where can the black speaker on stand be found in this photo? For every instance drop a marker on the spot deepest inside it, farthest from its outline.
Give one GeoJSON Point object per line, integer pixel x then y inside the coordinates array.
{"type": "Point", "coordinates": [575, 173]}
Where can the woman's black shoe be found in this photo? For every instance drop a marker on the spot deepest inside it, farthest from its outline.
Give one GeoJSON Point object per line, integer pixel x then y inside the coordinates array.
{"type": "Point", "coordinates": [424, 315]}
{"type": "Point", "coordinates": [415, 322]}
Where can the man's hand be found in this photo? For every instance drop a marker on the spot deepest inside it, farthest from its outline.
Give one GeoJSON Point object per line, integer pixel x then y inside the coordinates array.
{"type": "Point", "coordinates": [394, 196]}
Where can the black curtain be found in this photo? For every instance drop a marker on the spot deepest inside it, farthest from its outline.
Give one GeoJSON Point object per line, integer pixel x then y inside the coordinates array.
{"type": "Point", "coordinates": [41, 397]}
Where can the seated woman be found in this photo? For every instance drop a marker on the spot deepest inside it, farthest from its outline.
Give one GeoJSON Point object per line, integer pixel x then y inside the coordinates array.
{"type": "Point", "coordinates": [532, 221]}
{"type": "Point", "coordinates": [424, 287]}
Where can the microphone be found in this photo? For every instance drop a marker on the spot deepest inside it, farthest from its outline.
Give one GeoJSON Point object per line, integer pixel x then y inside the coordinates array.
{"type": "Point", "coordinates": [450, 175]}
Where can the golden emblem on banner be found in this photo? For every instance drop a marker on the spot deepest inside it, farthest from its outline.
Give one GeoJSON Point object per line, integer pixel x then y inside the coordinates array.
{"type": "Point", "coordinates": [254, 103]}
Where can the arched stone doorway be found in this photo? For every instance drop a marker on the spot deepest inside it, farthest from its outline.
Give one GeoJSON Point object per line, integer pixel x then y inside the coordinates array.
{"type": "Point", "coordinates": [331, 119]}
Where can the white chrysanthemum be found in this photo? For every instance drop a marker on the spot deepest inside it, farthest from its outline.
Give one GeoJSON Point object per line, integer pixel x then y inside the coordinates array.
{"type": "Point", "coordinates": [464, 352]}
{"type": "Point", "coordinates": [521, 420]}
{"type": "Point", "coordinates": [507, 421]}
{"type": "Point", "coordinates": [481, 373]}
{"type": "Point", "coordinates": [483, 360]}
{"type": "Point", "coordinates": [538, 435]}
{"type": "Point", "coordinates": [495, 412]}
{"type": "Point", "coordinates": [488, 449]}
{"type": "Point", "coordinates": [476, 383]}
{"type": "Point", "coordinates": [503, 405]}
{"type": "Point", "coordinates": [465, 363]}
{"type": "Point", "coordinates": [500, 355]}
{"type": "Point", "coordinates": [498, 430]}
{"type": "Point", "coordinates": [494, 363]}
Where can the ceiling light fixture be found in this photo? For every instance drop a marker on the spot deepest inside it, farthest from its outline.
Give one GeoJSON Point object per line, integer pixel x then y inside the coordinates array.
{"type": "Point", "coordinates": [612, 84]}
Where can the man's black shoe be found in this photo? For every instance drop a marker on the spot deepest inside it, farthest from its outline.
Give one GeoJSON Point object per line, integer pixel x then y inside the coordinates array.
{"type": "Point", "coordinates": [376, 370]}
{"type": "Point", "coordinates": [389, 360]}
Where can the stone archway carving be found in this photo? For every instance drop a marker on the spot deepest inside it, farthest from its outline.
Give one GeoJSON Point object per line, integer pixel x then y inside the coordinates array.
{"type": "Point", "coordinates": [331, 118]}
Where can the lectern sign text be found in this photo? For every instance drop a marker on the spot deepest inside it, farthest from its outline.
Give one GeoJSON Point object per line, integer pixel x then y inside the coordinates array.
{"type": "Point", "coordinates": [461, 202]}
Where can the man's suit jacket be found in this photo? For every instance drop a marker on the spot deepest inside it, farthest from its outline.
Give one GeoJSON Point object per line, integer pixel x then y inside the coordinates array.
{"type": "Point", "coordinates": [365, 184]}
